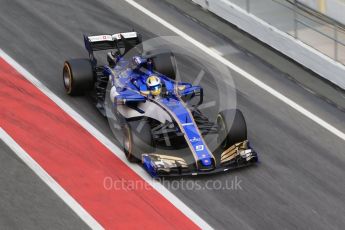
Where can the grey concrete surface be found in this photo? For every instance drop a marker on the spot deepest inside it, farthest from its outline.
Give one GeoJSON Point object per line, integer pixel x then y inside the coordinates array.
{"type": "Point", "coordinates": [299, 183]}
{"type": "Point", "coordinates": [26, 202]}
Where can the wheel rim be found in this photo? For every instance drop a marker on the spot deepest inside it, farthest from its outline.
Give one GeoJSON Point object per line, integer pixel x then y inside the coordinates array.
{"type": "Point", "coordinates": [127, 142]}
{"type": "Point", "coordinates": [222, 132]}
{"type": "Point", "coordinates": [67, 78]}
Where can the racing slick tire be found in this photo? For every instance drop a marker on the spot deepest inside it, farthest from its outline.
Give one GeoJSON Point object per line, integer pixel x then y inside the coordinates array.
{"type": "Point", "coordinates": [232, 128]}
{"type": "Point", "coordinates": [165, 63]}
{"type": "Point", "coordinates": [137, 139]}
{"type": "Point", "coordinates": [77, 76]}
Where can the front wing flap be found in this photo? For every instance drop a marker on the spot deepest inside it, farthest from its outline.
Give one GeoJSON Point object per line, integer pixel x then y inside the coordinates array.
{"type": "Point", "coordinates": [160, 165]}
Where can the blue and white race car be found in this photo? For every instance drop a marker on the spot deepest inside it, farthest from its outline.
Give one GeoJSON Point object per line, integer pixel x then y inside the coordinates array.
{"type": "Point", "coordinates": [161, 130]}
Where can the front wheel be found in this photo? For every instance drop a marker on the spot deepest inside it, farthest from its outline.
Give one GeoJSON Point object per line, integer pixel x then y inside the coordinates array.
{"type": "Point", "coordinates": [137, 139]}
{"type": "Point", "coordinates": [232, 128]}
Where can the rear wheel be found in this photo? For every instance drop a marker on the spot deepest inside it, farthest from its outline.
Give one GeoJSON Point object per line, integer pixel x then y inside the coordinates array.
{"type": "Point", "coordinates": [165, 63]}
{"type": "Point", "coordinates": [77, 76]}
{"type": "Point", "coordinates": [232, 128]}
{"type": "Point", "coordinates": [137, 140]}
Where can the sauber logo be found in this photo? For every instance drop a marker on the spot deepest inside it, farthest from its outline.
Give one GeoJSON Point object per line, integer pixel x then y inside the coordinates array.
{"type": "Point", "coordinates": [199, 147]}
{"type": "Point", "coordinates": [194, 139]}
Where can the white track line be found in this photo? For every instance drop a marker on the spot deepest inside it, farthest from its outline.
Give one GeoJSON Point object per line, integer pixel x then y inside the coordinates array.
{"type": "Point", "coordinates": [215, 50]}
{"type": "Point", "coordinates": [34, 166]}
{"type": "Point", "coordinates": [243, 73]}
{"type": "Point", "coordinates": [106, 142]}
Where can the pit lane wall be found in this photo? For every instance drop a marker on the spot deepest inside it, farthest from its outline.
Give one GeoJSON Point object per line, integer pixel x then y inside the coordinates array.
{"type": "Point", "coordinates": [277, 39]}
{"type": "Point", "coordinates": [332, 8]}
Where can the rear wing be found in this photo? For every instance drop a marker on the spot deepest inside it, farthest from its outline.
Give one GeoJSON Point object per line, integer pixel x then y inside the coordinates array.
{"type": "Point", "coordinates": [126, 40]}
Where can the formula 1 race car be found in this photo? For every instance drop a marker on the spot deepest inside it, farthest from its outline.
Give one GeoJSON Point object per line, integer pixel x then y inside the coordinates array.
{"type": "Point", "coordinates": [161, 130]}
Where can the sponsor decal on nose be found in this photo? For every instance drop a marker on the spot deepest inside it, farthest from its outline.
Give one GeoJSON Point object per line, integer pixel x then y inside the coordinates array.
{"type": "Point", "coordinates": [199, 147]}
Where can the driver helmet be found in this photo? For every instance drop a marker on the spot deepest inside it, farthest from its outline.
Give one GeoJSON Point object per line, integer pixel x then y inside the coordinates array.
{"type": "Point", "coordinates": [154, 85]}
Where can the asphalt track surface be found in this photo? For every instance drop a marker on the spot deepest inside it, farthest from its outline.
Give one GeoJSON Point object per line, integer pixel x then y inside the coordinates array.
{"type": "Point", "coordinates": [299, 183]}
{"type": "Point", "coordinates": [28, 202]}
